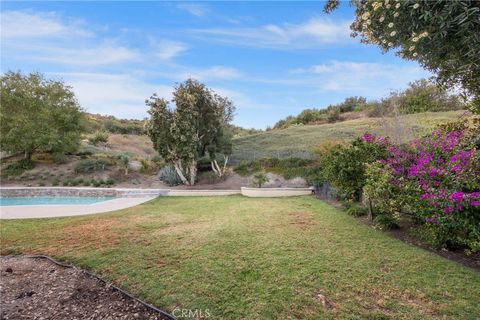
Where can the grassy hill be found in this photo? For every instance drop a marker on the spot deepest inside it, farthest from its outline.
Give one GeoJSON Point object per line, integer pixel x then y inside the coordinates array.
{"type": "Point", "coordinates": [298, 140]}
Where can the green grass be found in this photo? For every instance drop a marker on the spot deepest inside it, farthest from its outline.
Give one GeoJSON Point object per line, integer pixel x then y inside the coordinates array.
{"type": "Point", "coordinates": [244, 258]}
{"type": "Point", "coordinates": [298, 139]}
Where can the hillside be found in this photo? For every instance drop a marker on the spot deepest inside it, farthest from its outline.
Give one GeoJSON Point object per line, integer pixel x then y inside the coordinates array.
{"type": "Point", "coordinates": [298, 140]}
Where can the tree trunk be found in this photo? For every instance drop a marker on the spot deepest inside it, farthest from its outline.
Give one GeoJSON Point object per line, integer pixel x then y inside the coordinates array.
{"type": "Point", "coordinates": [193, 172]}
{"type": "Point", "coordinates": [215, 169]}
{"type": "Point", "coordinates": [28, 156]}
{"type": "Point", "coordinates": [370, 210]}
{"type": "Point", "coordinates": [178, 167]}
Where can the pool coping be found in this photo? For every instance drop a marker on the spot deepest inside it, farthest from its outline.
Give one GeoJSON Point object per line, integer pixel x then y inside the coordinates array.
{"type": "Point", "coordinates": [70, 210]}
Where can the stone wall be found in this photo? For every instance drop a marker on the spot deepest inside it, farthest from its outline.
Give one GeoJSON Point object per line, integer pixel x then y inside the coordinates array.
{"type": "Point", "coordinates": [79, 192]}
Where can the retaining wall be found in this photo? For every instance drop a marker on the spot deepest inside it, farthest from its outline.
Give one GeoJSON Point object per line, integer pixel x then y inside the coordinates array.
{"type": "Point", "coordinates": [79, 192]}
{"type": "Point", "coordinates": [275, 192]}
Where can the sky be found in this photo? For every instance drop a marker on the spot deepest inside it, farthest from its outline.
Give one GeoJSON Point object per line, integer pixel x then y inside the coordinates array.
{"type": "Point", "coordinates": [272, 59]}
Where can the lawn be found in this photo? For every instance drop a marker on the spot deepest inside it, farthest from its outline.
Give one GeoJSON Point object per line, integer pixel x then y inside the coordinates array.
{"type": "Point", "coordinates": [244, 258]}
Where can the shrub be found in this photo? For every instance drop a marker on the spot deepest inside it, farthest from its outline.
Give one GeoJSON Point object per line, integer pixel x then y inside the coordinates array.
{"type": "Point", "coordinates": [123, 161]}
{"type": "Point", "coordinates": [212, 177]}
{"type": "Point", "coordinates": [91, 165]}
{"type": "Point", "coordinates": [260, 178]}
{"type": "Point", "coordinates": [344, 166]}
{"type": "Point", "coordinates": [169, 175]}
{"type": "Point", "coordinates": [386, 222]}
{"type": "Point", "coordinates": [74, 182]}
{"type": "Point", "coordinates": [66, 182]}
{"type": "Point", "coordinates": [437, 180]}
{"type": "Point", "coordinates": [357, 211]}
{"type": "Point", "coordinates": [41, 184]}
{"type": "Point", "coordinates": [242, 168]}
{"type": "Point", "coordinates": [17, 168]}
{"type": "Point", "coordinates": [87, 183]}
{"type": "Point", "coordinates": [109, 182]}
{"type": "Point", "coordinates": [55, 181]}
{"type": "Point", "coordinates": [98, 137]}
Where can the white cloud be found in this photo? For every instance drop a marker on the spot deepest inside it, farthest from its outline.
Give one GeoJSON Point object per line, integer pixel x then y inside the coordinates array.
{"type": "Point", "coordinates": [103, 54]}
{"type": "Point", "coordinates": [360, 78]}
{"type": "Point", "coordinates": [166, 49]}
{"type": "Point", "coordinates": [194, 9]}
{"type": "Point", "coordinates": [314, 32]}
{"type": "Point", "coordinates": [21, 24]}
{"type": "Point", "coordinates": [215, 72]}
{"type": "Point", "coordinates": [122, 95]}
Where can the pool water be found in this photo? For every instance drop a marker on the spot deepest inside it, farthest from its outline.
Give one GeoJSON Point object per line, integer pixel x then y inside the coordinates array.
{"type": "Point", "coordinates": [31, 201]}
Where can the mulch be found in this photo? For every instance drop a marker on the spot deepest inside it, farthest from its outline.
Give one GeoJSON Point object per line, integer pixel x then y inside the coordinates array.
{"type": "Point", "coordinates": [34, 288]}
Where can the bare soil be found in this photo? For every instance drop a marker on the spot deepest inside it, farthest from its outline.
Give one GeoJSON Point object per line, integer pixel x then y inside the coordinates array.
{"type": "Point", "coordinates": [39, 289]}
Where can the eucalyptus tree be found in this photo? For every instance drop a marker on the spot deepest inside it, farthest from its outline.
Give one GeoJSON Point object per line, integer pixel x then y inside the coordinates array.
{"type": "Point", "coordinates": [194, 128]}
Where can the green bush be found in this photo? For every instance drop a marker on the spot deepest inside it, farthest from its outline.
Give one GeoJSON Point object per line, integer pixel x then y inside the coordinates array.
{"type": "Point", "coordinates": [17, 168]}
{"type": "Point", "coordinates": [91, 165]}
{"type": "Point", "coordinates": [259, 179]}
{"type": "Point", "coordinates": [243, 169]}
{"type": "Point", "coordinates": [169, 175]}
{"type": "Point", "coordinates": [41, 184]}
{"type": "Point", "coordinates": [87, 183]}
{"type": "Point", "coordinates": [55, 181]}
{"type": "Point", "coordinates": [357, 211]}
{"type": "Point", "coordinates": [109, 182]}
{"type": "Point", "coordinates": [98, 137]}
{"type": "Point", "coordinates": [386, 222]}
{"type": "Point", "coordinates": [146, 168]}
{"type": "Point", "coordinates": [212, 177]}
{"type": "Point", "coordinates": [66, 182]}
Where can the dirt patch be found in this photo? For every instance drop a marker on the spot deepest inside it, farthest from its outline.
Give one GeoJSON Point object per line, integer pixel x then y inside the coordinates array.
{"type": "Point", "coordinates": [40, 289]}
{"type": "Point", "coordinates": [303, 219]}
{"type": "Point", "coordinates": [97, 233]}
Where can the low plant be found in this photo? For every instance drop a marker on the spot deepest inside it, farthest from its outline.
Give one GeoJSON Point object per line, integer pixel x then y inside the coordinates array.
{"type": "Point", "coordinates": [169, 175]}
{"type": "Point", "coordinates": [91, 165]}
{"type": "Point", "coordinates": [17, 168]}
{"type": "Point", "coordinates": [146, 166]}
{"type": "Point", "coordinates": [386, 222]}
{"type": "Point", "coordinates": [242, 168]}
{"type": "Point", "coordinates": [357, 211]}
{"type": "Point", "coordinates": [98, 137]}
{"type": "Point", "coordinates": [212, 177]}
{"type": "Point", "coordinates": [123, 162]}
{"type": "Point", "coordinates": [260, 178]}
{"type": "Point", "coordinates": [41, 184]}
{"type": "Point", "coordinates": [55, 181]}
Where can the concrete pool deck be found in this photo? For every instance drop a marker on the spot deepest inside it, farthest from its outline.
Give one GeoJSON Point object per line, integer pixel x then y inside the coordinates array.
{"type": "Point", "coordinates": [52, 211]}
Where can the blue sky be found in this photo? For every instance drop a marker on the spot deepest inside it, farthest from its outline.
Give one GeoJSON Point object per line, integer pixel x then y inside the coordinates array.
{"type": "Point", "coordinates": [273, 59]}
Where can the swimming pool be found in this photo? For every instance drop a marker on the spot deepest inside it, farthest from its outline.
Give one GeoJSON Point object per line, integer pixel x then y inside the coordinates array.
{"type": "Point", "coordinates": [31, 201]}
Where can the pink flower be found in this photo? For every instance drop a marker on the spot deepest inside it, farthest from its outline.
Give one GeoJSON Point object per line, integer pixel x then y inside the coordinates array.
{"type": "Point", "coordinates": [457, 196]}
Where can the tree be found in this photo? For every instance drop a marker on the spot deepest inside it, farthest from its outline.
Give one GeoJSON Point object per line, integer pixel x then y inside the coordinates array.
{"type": "Point", "coordinates": [260, 178]}
{"type": "Point", "coordinates": [123, 161]}
{"type": "Point", "coordinates": [38, 115]}
{"type": "Point", "coordinates": [423, 96]}
{"type": "Point", "coordinates": [442, 36]}
{"type": "Point", "coordinates": [195, 128]}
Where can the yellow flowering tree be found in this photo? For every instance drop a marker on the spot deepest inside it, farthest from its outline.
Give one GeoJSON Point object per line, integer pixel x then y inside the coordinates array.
{"type": "Point", "coordinates": [443, 36]}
